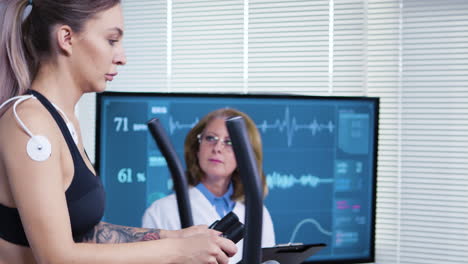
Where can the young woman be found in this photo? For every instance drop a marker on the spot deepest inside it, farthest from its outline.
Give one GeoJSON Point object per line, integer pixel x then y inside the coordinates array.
{"type": "Point", "coordinates": [212, 172]}
{"type": "Point", "coordinates": [51, 202]}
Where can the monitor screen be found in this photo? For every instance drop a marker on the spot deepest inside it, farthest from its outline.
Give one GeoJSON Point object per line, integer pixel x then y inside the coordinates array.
{"type": "Point", "coordinates": [319, 161]}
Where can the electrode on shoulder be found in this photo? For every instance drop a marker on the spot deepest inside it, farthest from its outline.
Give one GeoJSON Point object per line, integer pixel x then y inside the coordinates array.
{"type": "Point", "coordinates": [39, 148]}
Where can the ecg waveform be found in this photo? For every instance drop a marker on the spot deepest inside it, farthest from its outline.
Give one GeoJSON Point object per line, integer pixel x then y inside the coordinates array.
{"type": "Point", "coordinates": [175, 125]}
{"type": "Point", "coordinates": [285, 181]}
{"type": "Point", "coordinates": [288, 125]}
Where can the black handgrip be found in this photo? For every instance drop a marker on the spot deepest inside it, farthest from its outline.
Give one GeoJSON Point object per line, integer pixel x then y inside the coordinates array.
{"type": "Point", "coordinates": [230, 226]}
{"type": "Point", "coordinates": [176, 169]}
{"type": "Point", "coordinates": [247, 165]}
{"type": "Point", "coordinates": [235, 232]}
{"type": "Point", "coordinates": [225, 222]}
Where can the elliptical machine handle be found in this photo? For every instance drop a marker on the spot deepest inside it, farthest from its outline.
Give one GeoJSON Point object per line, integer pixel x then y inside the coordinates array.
{"type": "Point", "coordinates": [250, 177]}
{"type": "Point", "coordinates": [176, 169]}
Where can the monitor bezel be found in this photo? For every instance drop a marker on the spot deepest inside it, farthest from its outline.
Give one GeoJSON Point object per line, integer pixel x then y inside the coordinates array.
{"type": "Point", "coordinates": [374, 100]}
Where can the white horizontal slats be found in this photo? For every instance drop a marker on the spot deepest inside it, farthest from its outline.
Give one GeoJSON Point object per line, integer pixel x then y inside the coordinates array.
{"type": "Point", "coordinates": [288, 46]}
{"type": "Point", "coordinates": [434, 207]}
{"type": "Point", "coordinates": [207, 46]}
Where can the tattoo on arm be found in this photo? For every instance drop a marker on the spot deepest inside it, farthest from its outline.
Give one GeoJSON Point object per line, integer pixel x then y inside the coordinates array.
{"type": "Point", "coordinates": [105, 233]}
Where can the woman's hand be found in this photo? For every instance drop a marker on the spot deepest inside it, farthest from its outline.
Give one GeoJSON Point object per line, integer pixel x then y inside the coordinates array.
{"type": "Point", "coordinates": [207, 248]}
{"type": "Point", "coordinates": [198, 244]}
{"type": "Point", "coordinates": [188, 232]}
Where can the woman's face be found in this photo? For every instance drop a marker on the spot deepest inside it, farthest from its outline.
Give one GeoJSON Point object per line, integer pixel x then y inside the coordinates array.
{"type": "Point", "coordinates": [216, 157]}
{"type": "Point", "coordinates": [98, 50]}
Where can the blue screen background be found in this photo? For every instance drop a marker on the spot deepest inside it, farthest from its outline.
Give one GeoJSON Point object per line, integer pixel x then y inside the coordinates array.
{"type": "Point", "coordinates": [319, 159]}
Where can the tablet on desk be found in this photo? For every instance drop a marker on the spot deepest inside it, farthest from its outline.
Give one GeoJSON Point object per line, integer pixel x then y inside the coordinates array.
{"type": "Point", "coordinates": [292, 253]}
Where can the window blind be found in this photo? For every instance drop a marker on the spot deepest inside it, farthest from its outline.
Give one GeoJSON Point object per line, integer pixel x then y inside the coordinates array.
{"type": "Point", "coordinates": [207, 46]}
{"type": "Point", "coordinates": [434, 138]}
{"type": "Point", "coordinates": [349, 47]}
{"type": "Point", "coordinates": [288, 46]}
{"type": "Point", "coordinates": [412, 54]}
{"type": "Point", "coordinates": [383, 80]}
{"type": "Point", "coordinates": [145, 43]}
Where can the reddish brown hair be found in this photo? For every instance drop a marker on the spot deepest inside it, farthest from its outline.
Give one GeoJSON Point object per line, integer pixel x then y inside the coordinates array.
{"type": "Point", "coordinates": [191, 147]}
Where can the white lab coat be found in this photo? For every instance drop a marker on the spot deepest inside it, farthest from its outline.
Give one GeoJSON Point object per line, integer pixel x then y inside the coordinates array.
{"type": "Point", "coordinates": [164, 214]}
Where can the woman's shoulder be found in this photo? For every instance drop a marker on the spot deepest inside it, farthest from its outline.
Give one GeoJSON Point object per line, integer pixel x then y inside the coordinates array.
{"type": "Point", "coordinates": [29, 115]}
{"type": "Point", "coordinates": [29, 118]}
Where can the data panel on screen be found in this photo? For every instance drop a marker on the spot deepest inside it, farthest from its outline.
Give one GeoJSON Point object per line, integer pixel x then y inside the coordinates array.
{"type": "Point", "coordinates": [319, 160]}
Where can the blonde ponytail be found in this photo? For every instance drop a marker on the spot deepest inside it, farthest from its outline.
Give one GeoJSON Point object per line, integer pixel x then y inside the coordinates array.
{"type": "Point", "coordinates": [15, 75]}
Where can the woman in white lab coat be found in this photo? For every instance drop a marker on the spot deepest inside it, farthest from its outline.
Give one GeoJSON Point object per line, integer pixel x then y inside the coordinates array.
{"type": "Point", "coordinates": [216, 187]}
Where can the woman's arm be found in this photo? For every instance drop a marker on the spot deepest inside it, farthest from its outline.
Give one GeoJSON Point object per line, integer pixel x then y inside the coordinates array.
{"type": "Point", "coordinates": [105, 233]}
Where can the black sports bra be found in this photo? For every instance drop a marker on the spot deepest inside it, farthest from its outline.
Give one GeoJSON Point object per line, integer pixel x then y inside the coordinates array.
{"type": "Point", "coordinates": [85, 196]}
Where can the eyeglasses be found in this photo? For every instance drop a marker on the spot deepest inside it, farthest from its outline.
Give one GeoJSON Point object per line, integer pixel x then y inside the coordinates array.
{"type": "Point", "coordinates": [212, 140]}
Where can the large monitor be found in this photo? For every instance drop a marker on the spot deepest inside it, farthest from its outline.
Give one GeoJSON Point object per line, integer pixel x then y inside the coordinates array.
{"type": "Point", "coordinates": [319, 160]}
